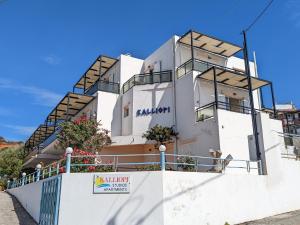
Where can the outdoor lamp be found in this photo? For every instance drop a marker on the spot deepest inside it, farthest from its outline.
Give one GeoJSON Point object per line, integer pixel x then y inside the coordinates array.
{"type": "Point", "coordinates": [162, 148]}
{"type": "Point", "coordinates": [23, 174]}
{"type": "Point", "coordinates": [69, 150]}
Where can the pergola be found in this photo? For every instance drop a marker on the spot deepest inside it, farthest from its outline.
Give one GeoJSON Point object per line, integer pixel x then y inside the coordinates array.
{"type": "Point", "coordinates": [210, 44]}
{"type": "Point", "coordinates": [41, 133]}
{"type": "Point", "coordinates": [234, 79]}
{"type": "Point", "coordinates": [69, 106]}
{"type": "Point", "coordinates": [94, 72]}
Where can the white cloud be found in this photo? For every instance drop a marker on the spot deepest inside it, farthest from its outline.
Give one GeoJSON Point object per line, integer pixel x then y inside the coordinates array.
{"type": "Point", "coordinates": [41, 96]}
{"type": "Point", "coordinates": [23, 130]}
{"type": "Point", "coordinates": [51, 59]}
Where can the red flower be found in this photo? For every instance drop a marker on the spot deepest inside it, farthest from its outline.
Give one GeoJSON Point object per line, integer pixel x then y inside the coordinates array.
{"type": "Point", "coordinates": [62, 170]}
{"type": "Point", "coordinates": [91, 168]}
{"type": "Point", "coordinates": [85, 161]}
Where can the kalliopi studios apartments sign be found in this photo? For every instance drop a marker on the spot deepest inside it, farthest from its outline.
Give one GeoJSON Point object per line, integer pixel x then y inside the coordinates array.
{"type": "Point", "coordinates": [151, 111]}
{"type": "Point", "coordinates": [111, 184]}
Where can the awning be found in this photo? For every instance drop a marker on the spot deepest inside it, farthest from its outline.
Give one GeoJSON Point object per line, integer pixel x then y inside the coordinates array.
{"type": "Point", "coordinates": [209, 43]}
{"type": "Point", "coordinates": [69, 106]}
{"type": "Point", "coordinates": [98, 68]}
{"type": "Point", "coordinates": [232, 78]}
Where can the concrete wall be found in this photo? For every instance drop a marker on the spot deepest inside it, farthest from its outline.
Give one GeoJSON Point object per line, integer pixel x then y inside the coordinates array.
{"type": "Point", "coordinates": [234, 131]}
{"type": "Point", "coordinates": [129, 66]}
{"type": "Point", "coordinates": [174, 198]}
{"type": "Point", "coordinates": [105, 105]}
{"type": "Point", "coordinates": [30, 198]}
{"type": "Point", "coordinates": [148, 97]}
{"type": "Point", "coordinates": [80, 206]}
{"type": "Point", "coordinates": [161, 59]}
{"type": "Point", "coordinates": [194, 137]}
{"type": "Point", "coordinates": [206, 198]}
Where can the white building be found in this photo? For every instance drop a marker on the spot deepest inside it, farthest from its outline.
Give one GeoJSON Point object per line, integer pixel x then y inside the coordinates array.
{"type": "Point", "coordinates": [192, 83]}
{"type": "Point", "coordinates": [196, 85]}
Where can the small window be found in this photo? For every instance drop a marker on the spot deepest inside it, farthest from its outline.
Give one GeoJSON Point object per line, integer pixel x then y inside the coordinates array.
{"type": "Point", "coordinates": [126, 111]}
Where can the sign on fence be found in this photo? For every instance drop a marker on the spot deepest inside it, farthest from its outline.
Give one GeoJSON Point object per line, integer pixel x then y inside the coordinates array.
{"type": "Point", "coordinates": [111, 184]}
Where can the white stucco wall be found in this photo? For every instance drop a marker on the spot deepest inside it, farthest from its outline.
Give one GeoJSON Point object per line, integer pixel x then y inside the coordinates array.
{"type": "Point", "coordinates": [148, 97]}
{"type": "Point", "coordinates": [129, 66]}
{"type": "Point", "coordinates": [105, 105]}
{"type": "Point", "coordinates": [30, 198]}
{"type": "Point", "coordinates": [175, 198]}
{"type": "Point", "coordinates": [194, 137]}
{"type": "Point", "coordinates": [161, 58]}
{"type": "Point", "coordinates": [80, 206]}
{"type": "Point", "coordinates": [234, 131]}
{"type": "Point", "coordinates": [207, 198]}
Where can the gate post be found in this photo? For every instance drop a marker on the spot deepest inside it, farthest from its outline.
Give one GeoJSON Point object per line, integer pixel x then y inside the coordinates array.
{"type": "Point", "coordinates": [162, 149]}
{"type": "Point", "coordinates": [23, 178]}
{"type": "Point", "coordinates": [38, 171]}
{"type": "Point", "coordinates": [69, 152]}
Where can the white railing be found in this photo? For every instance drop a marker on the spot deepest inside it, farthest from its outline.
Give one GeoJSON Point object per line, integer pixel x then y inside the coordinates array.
{"type": "Point", "coordinates": [134, 162]}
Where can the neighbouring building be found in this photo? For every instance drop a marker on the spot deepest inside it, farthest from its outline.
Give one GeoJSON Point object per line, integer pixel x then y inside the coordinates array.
{"type": "Point", "coordinates": [192, 83]}
{"type": "Point", "coordinates": [290, 117]}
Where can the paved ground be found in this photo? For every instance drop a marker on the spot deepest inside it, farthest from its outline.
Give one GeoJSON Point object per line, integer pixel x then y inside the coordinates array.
{"type": "Point", "coordinates": [290, 218]}
{"type": "Point", "coordinates": [12, 213]}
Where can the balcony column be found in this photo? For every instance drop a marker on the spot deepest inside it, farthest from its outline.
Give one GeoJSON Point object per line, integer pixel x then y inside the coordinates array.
{"type": "Point", "coordinates": [84, 84]}
{"type": "Point", "coordinates": [67, 112]}
{"type": "Point", "coordinates": [215, 87]}
{"type": "Point", "coordinates": [253, 112]}
{"type": "Point", "coordinates": [55, 118]}
{"type": "Point", "coordinates": [192, 49]}
{"type": "Point", "coordinates": [273, 100]}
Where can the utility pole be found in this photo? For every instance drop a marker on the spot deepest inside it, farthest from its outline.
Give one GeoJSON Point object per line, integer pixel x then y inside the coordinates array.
{"type": "Point", "coordinates": [253, 112]}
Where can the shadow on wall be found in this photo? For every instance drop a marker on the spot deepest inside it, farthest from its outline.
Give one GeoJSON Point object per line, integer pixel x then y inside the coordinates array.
{"type": "Point", "coordinates": [23, 217]}
{"type": "Point", "coordinates": [140, 221]}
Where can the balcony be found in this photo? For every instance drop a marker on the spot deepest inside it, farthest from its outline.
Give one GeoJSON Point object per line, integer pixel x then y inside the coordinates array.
{"type": "Point", "coordinates": [207, 111]}
{"type": "Point", "coordinates": [147, 78]}
{"type": "Point", "coordinates": [199, 66]}
{"type": "Point", "coordinates": [105, 86]}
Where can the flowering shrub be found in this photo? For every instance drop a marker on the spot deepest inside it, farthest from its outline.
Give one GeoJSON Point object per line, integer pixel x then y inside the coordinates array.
{"type": "Point", "coordinates": [84, 161]}
{"type": "Point", "coordinates": [83, 133]}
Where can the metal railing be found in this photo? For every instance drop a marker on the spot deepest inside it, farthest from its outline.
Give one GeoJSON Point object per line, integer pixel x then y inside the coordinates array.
{"type": "Point", "coordinates": [105, 86]}
{"type": "Point", "coordinates": [147, 78]}
{"type": "Point", "coordinates": [52, 169]}
{"type": "Point", "coordinates": [134, 162]}
{"type": "Point", "coordinates": [207, 111]}
{"type": "Point", "coordinates": [199, 65]}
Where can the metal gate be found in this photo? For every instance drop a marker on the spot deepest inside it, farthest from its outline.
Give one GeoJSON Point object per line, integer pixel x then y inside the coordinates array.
{"type": "Point", "coordinates": [49, 207]}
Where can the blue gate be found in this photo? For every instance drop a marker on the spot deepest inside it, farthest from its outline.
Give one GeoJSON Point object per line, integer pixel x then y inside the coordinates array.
{"type": "Point", "coordinates": [50, 201]}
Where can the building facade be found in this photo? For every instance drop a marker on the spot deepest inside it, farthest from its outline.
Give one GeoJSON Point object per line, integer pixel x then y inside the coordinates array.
{"type": "Point", "coordinates": [290, 117]}
{"type": "Point", "coordinates": [192, 83]}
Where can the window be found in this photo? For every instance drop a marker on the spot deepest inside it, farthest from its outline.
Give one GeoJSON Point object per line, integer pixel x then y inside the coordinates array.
{"type": "Point", "coordinates": [234, 104]}
{"type": "Point", "coordinates": [126, 111]}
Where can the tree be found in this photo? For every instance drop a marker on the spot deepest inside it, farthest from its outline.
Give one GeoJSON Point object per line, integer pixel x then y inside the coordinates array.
{"type": "Point", "coordinates": [83, 133]}
{"type": "Point", "coordinates": [11, 161]}
{"type": "Point", "coordinates": [161, 135]}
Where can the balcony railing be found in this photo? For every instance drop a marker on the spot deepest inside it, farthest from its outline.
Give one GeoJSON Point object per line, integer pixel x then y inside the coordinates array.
{"type": "Point", "coordinates": [141, 79]}
{"type": "Point", "coordinates": [199, 66]}
{"type": "Point", "coordinates": [106, 86]}
{"type": "Point", "coordinates": [207, 111]}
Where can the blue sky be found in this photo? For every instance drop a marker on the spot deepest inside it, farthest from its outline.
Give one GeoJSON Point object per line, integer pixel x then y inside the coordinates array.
{"type": "Point", "coordinates": [45, 46]}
